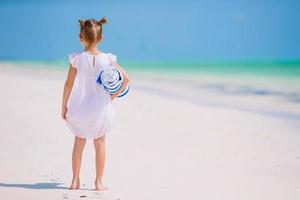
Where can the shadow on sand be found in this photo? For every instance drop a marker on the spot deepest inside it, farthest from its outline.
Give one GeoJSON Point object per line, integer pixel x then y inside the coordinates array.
{"type": "Point", "coordinates": [38, 186]}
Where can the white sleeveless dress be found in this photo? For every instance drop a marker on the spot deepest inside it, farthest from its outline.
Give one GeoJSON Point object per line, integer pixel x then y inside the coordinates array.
{"type": "Point", "coordinates": [90, 109]}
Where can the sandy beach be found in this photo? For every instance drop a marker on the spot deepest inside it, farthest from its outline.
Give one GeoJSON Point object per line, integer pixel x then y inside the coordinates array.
{"type": "Point", "coordinates": [175, 137]}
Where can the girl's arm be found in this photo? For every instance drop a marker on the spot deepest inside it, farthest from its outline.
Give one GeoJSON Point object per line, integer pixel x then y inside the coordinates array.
{"type": "Point", "coordinates": [125, 81]}
{"type": "Point", "coordinates": [67, 91]}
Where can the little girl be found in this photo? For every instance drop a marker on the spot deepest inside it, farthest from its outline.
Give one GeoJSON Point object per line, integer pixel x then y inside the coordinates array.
{"type": "Point", "coordinates": [86, 106]}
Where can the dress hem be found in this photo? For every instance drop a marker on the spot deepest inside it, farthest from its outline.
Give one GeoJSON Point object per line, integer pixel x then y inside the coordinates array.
{"type": "Point", "coordinates": [73, 131]}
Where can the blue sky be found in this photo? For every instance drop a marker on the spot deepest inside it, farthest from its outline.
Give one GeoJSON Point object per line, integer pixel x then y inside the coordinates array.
{"type": "Point", "coordinates": [156, 30]}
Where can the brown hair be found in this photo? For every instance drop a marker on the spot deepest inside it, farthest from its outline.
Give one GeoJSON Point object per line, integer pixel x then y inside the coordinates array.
{"type": "Point", "coordinates": [91, 29]}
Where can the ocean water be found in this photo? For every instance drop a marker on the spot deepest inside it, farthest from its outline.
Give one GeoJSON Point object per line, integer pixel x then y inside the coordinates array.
{"type": "Point", "coordinates": [283, 75]}
{"type": "Point", "coordinates": [288, 69]}
{"type": "Point", "coordinates": [273, 69]}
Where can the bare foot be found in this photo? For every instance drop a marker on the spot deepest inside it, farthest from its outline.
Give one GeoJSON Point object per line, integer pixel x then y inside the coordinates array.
{"type": "Point", "coordinates": [99, 186]}
{"type": "Point", "coordinates": [75, 184]}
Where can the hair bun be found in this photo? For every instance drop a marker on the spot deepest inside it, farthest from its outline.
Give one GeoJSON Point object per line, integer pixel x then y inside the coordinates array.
{"type": "Point", "coordinates": [81, 23]}
{"type": "Point", "coordinates": [102, 21]}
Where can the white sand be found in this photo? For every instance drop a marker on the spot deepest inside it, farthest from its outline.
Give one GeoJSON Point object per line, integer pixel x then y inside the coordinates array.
{"type": "Point", "coordinates": [167, 143]}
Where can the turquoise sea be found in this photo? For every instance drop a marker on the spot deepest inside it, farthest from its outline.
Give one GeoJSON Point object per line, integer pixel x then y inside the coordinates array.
{"type": "Point", "coordinates": [288, 69]}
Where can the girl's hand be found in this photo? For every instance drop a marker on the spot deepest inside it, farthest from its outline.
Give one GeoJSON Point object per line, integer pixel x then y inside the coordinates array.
{"type": "Point", "coordinates": [113, 96]}
{"type": "Point", "coordinates": [64, 112]}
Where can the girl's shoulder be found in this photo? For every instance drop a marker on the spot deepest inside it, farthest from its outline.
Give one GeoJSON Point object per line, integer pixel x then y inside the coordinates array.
{"type": "Point", "coordinates": [74, 54]}
{"type": "Point", "coordinates": [112, 57]}
{"type": "Point", "coordinates": [73, 57]}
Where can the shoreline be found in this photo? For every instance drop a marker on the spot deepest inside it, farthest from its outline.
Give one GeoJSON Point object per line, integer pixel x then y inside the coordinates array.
{"type": "Point", "coordinates": [200, 88]}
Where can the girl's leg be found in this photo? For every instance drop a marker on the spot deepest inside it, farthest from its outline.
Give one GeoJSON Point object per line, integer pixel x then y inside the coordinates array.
{"type": "Point", "coordinates": [99, 144]}
{"type": "Point", "coordinates": [78, 147]}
